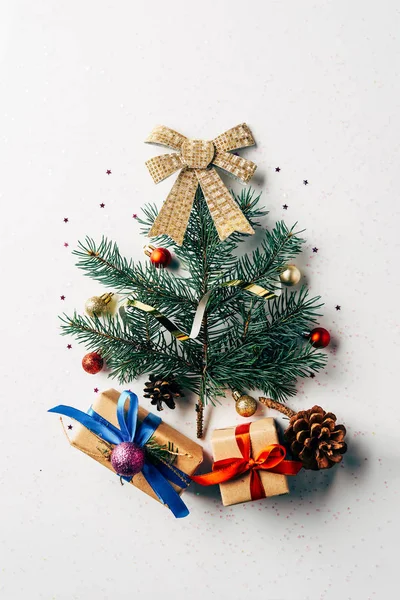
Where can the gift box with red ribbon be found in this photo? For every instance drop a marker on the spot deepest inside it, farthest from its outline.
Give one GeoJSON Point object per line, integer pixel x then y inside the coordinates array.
{"type": "Point", "coordinates": [249, 463]}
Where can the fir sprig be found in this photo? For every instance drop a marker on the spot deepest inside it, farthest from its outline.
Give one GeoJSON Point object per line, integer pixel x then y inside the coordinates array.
{"type": "Point", "coordinates": [278, 248]}
{"type": "Point", "coordinates": [104, 263]}
{"type": "Point", "coordinates": [165, 453]}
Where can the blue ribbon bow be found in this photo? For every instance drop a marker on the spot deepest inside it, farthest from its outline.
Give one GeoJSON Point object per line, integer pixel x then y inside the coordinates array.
{"type": "Point", "coordinates": [158, 476]}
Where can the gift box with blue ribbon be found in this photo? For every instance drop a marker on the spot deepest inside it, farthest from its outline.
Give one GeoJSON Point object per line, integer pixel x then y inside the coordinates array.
{"type": "Point", "coordinates": [116, 418]}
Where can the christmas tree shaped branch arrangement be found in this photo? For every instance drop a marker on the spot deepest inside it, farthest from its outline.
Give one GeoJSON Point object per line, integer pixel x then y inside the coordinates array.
{"type": "Point", "coordinates": [226, 322]}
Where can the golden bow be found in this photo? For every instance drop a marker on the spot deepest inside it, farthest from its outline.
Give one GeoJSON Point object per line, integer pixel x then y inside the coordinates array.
{"type": "Point", "coordinates": [194, 158]}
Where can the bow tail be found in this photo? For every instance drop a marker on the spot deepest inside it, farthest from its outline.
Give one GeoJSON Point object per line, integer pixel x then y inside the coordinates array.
{"type": "Point", "coordinates": [164, 491]}
{"type": "Point", "coordinates": [257, 491]}
{"type": "Point", "coordinates": [94, 424]}
{"type": "Point", "coordinates": [223, 470]}
{"type": "Point", "coordinates": [225, 212]}
{"type": "Point", "coordinates": [174, 215]}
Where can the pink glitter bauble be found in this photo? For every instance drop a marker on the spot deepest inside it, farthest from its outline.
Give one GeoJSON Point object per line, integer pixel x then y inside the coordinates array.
{"type": "Point", "coordinates": [127, 459]}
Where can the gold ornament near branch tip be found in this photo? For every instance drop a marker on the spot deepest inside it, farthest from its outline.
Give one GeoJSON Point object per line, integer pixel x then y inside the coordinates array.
{"type": "Point", "coordinates": [290, 276]}
{"type": "Point", "coordinates": [246, 406]}
{"type": "Point", "coordinates": [196, 160]}
{"type": "Point", "coordinates": [97, 305]}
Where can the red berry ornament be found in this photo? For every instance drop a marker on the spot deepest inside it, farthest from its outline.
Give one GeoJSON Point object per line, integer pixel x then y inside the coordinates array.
{"type": "Point", "coordinates": [92, 363]}
{"type": "Point", "coordinates": [160, 257]}
{"type": "Point", "coordinates": [319, 337]}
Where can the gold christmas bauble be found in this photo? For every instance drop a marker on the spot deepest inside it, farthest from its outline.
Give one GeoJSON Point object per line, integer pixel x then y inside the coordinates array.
{"type": "Point", "coordinates": [290, 276]}
{"type": "Point", "coordinates": [97, 305]}
{"type": "Point", "coordinates": [246, 406]}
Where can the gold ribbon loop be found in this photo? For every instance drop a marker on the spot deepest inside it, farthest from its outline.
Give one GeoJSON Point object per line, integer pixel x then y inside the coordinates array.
{"type": "Point", "coordinates": [235, 138]}
{"type": "Point", "coordinates": [161, 167]}
{"type": "Point", "coordinates": [164, 136]}
{"type": "Point", "coordinates": [198, 158]}
{"type": "Point", "coordinates": [253, 288]}
{"type": "Point", "coordinates": [181, 336]}
{"type": "Point", "coordinates": [239, 167]}
{"type": "Point", "coordinates": [169, 325]}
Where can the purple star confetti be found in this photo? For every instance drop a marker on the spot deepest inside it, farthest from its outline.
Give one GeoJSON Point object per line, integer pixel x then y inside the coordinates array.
{"type": "Point", "coordinates": [134, 216]}
{"type": "Point", "coordinates": [315, 249]}
{"type": "Point", "coordinates": [69, 426]}
{"type": "Point", "coordinates": [62, 297]}
{"type": "Point", "coordinates": [69, 346]}
{"type": "Point", "coordinates": [65, 219]}
{"type": "Point", "coordinates": [96, 390]}
{"type": "Point", "coordinates": [285, 207]}
{"type": "Point", "coordinates": [108, 172]}
{"type": "Point", "coordinates": [338, 307]}
{"type": "Point", "coordinates": [66, 244]}
{"type": "Point", "coordinates": [102, 205]}
{"type": "Point", "coordinates": [277, 169]}
{"type": "Point", "coordinates": [305, 181]}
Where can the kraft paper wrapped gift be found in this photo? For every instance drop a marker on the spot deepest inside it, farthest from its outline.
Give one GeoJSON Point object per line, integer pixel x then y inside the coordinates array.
{"type": "Point", "coordinates": [262, 433]}
{"type": "Point", "coordinates": [105, 405]}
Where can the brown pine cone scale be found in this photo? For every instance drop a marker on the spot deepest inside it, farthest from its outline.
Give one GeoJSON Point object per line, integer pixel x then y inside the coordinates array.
{"type": "Point", "coordinates": [316, 439]}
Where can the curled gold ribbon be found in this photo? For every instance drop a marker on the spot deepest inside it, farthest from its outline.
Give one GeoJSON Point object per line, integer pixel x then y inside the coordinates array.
{"type": "Point", "coordinates": [197, 160]}
{"type": "Point", "coordinates": [182, 336]}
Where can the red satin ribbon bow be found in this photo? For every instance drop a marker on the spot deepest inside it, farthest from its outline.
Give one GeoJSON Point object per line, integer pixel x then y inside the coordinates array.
{"type": "Point", "coordinates": [271, 459]}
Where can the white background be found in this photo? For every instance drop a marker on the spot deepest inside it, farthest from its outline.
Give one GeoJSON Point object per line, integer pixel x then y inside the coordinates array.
{"type": "Point", "coordinates": [82, 84]}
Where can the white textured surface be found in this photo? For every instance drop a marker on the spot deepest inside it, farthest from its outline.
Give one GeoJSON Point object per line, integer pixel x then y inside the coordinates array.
{"type": "Point", "coordinates": [82, 84]}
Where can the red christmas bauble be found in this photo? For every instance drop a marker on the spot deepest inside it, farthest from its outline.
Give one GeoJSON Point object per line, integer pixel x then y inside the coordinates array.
{"type": "Point", "coordinates": [319, 337]}
{"type": "Point", "coordinates": [160, 257]}
{"type": "Point", "coordinates": [92, 363]}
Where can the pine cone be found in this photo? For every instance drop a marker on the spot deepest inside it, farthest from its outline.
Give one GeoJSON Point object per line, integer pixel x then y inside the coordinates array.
{"type": "Point", "coordinates": [316, 439]}
{"type": "Point", "coordinates": [161, 390]}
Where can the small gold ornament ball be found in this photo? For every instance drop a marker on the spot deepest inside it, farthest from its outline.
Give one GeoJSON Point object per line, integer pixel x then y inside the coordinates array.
{"type": "Point", "coordinates": [246, 406]}
{"type": "Point", "coordinates": [97, 305]}
{"type": "Point", "coordinates": [290, 276]}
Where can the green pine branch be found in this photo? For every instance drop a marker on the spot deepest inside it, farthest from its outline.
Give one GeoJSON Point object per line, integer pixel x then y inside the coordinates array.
{"type": "Point", "coordinates": [104, 263]}
{"type": "Point", "coordinates": [274, 373]}
{"type": "Point", "coordinates": [245, 342]}
{"type": "Point", "coordinates": [131, 351]}
{"type": "Point", "coordinates": [278, 248]}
